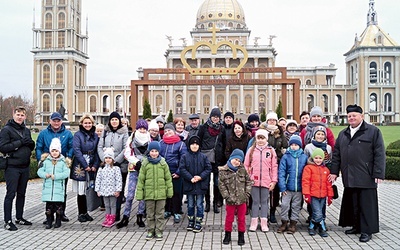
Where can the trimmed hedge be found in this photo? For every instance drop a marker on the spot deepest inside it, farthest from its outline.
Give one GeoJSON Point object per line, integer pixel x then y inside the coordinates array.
{"type": "Point", "coordinates": [392, 168]}
{"type": "Point", "coordinates": [394, 145]}
{"type": "Point", "coordinates": [393, 152]}
{"type": "Point", "coordinates": [32, 171]}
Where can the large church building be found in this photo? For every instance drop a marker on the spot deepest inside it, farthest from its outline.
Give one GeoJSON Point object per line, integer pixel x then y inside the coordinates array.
{"type": "Point", "coordinates": [61, 57]}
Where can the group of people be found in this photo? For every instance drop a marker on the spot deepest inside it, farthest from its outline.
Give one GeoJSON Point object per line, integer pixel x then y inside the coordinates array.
{"type": "Point", "coordinates": [250, 166]}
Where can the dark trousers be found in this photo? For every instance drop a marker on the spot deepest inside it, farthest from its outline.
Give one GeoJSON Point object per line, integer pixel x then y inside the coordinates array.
{"type": "Point", "coordinates": [174, 204]}
{"type": "Point", "coordinates": [16, 183]}
{"type": "Point", "coordinates": [274, 198]}
{"type": "Point", "coordinates": [82, 205]}
{"type": "Point", "coordinates": [53, 207]}
{"type": "Point", "coordinates": [121, 196]}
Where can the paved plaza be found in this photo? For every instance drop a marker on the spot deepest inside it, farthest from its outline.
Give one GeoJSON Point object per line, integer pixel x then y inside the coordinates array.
{"type": "Point", "coordinates": [90, 235]}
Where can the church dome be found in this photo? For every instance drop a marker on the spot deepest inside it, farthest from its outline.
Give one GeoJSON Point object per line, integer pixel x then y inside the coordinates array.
{"type": "Point", "coordinates": [225, 14]}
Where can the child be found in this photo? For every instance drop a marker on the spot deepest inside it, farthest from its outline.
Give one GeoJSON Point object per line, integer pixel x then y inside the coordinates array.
{"type": "Point", "coordinates": [235, 186]}
{"type": "Point", "coordinates": [289, 181]}
{"type": "Point", "coordinates": [262, 165]}
{"type": "Point", "coordinates": [291, 129]}
{"type": "Point", "coordinates": [195, 169]}
{"type": "Point", "coordinates": [154, 186]}
{"type": "Point", "coordinates": [109, 186]}
{"type": "Point", "coordinates": [319, 141]}
{"type": "Point", "coordinates": [54, 172]}
{"type": "Point", "coordinates": [316, 188]}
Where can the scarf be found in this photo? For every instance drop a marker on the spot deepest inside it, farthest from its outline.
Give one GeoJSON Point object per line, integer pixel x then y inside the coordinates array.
{"type": "Point", "coordinates": [172, 139]}
{"type": "Point", "coordinates": [213, 128]}
{"type": "Point", "coordinates": [89, 132]}
{"type": "Point", "coordinates": [231, 167]}
{"type": "Point", "coordinates": [271, 129]}
{"type": "Point", "coordinates": [321, 145]}
{"type": "Point", "coordinates": [154, 160]}
{"type": "Point", "coordinates": [140, 139]}
{"type": "Point", "coordinates": [295, 153]}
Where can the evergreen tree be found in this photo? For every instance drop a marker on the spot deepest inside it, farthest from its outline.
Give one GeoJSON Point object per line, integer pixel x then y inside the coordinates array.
{"type": "Point", "coordinates": [170, 117]}
{"type": "Point", "coordinates": [278, 110]}
{"type": "Point", "coordinates": [147, 110]}
{"type": "Point", "coordinates": [263, 116]}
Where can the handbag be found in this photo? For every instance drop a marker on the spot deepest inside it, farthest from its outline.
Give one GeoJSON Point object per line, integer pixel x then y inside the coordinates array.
{"type": "Point", "coordinates": [210, 153]}
{"type": "Point", "coordinates": [335, 192]}
{"type": "Point", "coordinates": [3, 161]}
{"type": "Point", "coordinates": [92, 200]}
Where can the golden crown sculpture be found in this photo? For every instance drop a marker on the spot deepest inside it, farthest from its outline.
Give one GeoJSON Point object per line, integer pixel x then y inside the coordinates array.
{"type": "Point", "coordinates": [214, 47]}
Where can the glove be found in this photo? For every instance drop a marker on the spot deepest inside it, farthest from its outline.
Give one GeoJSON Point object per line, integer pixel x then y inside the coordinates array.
{"type": "Point", "coordinates": [138, 166]}
{"type": "Point", "coordinates": [330, 199]}
{"type": "Point", "coordinates": [26, 141]}
{"type": "Point", "coordinates": [307, 198]}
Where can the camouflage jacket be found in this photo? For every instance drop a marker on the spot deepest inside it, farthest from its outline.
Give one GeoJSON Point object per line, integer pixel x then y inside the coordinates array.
{"type": "Point", "coordinates": [235, 187]}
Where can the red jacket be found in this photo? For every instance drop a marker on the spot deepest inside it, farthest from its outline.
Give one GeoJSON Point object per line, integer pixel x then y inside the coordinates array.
{"type": "Point", "coordinates": [315, 181]}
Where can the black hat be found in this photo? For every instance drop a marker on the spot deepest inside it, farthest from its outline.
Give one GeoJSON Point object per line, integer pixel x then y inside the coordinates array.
{"type": "Point", "coordinates": [229, 114]}
{"type": "Point", "coordinates": [194, 139]}
{"type": "Point", "coordinates": [194, 116]}
{"type": "Point", "coordinates": [115, 115]}
{"type": "Point", "coordinates": [215, 112]}
{"type": "Point", "coordinates": [354, 108]}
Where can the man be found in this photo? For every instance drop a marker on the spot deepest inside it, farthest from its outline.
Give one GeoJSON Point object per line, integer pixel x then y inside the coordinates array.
{"type": "Point", "coordinates": [304, 119]}
{"type": "Point", "coordinates": [193, 127]}
{"type": "Point", "coordinates": [16, 141]}
{"type": "Point", "coordinates": [360, 156]}
{"type": "Point", "coordinates": [229, 118]}
{"type": "Point", "coordinates": [56, 129]}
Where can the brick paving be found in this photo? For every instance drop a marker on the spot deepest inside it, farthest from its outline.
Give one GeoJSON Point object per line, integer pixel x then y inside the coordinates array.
{"type": "Point", "coordinates": [90, 235]}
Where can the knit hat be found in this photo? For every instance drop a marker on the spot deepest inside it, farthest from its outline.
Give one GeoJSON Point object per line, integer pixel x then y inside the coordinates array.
{"type": "Point", "coordinates": [296, 140]}
{"type": "Point", "coordinates": [109, 152]}
{"type": "Point", "coordinates": [237, 154]}
{"type": "Point", "coordinates": [55, 144]}
{"type": "Point", "coordinates": [142, 124]}
{"type": "Point", "coordinates": [318, 128]}
{"type": "Point", "coordinates": [354, 108]}
{"type": "Point", "coordinates": [153, 125]}
{"type": "Point", "coordinates": [215, 112]}
{"type": "Point", "coordinates": [272, 115]}
{"type": "Point", "coordinates": [316, 111]}
{"type": "Point", "coordinates": [252, 118]}
{"type": "Point", "coordinates": [318, 152]}
{"type": "Point", "coordinates": [115, 115]}
{"type": "Point", "coordinates": [160, 119]}
{"type": "Point", "coordinates": [194, 139]}
{"type": "Point", "coordinates": [154, 145]}
{"type": "Point", "coordinates": [263, 132]}
{"type": "Point", "coordinates": [238, 122]}
{"type": "Point", "coordinates": [288, 122]}
{"type": "Point", "coordinates": [229, 114]}
{"type": "Point", "coordinates": [170, 126]}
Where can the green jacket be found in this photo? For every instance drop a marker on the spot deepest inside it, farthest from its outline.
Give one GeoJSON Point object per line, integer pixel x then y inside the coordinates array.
{"type": "Point", "coordinates": [154, 181]}
{"type": "Point", "coordinates": [235, 187]}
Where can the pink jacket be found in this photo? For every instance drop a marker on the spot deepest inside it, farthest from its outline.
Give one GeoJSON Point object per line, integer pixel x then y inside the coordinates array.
{"type": "Point", "coordinates": [262, 166]}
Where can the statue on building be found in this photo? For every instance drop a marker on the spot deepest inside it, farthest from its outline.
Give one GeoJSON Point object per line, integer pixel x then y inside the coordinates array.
{"type": "Point", "coordinates": [61, 110]}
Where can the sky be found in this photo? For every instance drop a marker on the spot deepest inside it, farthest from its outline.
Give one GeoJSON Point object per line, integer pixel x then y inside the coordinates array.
{"type": "Point", "coordinates": [125, 35]}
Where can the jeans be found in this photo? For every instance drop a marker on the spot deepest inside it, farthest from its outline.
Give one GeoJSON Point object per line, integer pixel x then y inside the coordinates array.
{"type": "Point", "coordinates": [318, 205]}
{"type": "Point", "coordinates": [16, 183]}
{"type": "Point", "coordinates": [133, 178]}
{"type": "Point", "coordinates": [198, 200]}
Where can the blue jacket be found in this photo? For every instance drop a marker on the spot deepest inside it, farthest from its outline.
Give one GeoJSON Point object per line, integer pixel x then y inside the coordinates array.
{"type": "Point", "coordinates": [172, 154]}
{"type": "Point", "coordinates": [44, 139]}
{"type": "Point", "coordinates": [54, 190]}
{"type": "Point", "coordinates": [291, 169]}
{"type": "Point", "coordinates": [192, 164]}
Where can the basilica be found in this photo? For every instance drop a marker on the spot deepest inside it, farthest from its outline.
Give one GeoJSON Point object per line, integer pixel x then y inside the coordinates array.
{"type": "Point", "coordinates": [60, 52]}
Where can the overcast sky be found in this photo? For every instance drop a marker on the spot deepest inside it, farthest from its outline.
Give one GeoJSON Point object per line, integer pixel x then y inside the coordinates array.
{"type": "Point", "coordinates": [126, 34]}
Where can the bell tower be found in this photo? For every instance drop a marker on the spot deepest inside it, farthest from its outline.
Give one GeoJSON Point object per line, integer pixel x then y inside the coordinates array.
{"type": "Point", "coordinates": [60, 53]}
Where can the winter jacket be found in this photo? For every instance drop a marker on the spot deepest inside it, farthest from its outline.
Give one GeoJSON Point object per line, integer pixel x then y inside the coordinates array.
{"type": "Point", "coordinates": [191, 164]}
{"type": "Point", "coordinates": [306, 134]}
{"type": "Point", "coordinates": [279, 142]}
{"type": "Point", "coordinates": [11, 143]}
{"type": "Point", "coordinates": [134, 152]}
{"type": "Point", "coordinates": [360, 159]}
{"type": "Point", "coordinates": [44, 139]}
{"type": "Point", "coordinates": [85, 153]}
{"type": "Point", "coordinates": [116, 139]}
{"type": "Point", "coordinates": [262, 166]}
{"type": "Point", "coordinates": [108, 180]}
{"type": "Point", "coordinates": [173, 153]}
{"type": "Point", "coordinates": [213, 142]}
{"type": "Point", "coordinates": [235, 187]}
{"type": "Point", "coordinates": [192, 131]}
{"type": "Point", "coordinates": [54, 190]}
{"type": "Point", "coordinates": [236, 142]}
{"type": "Point", "coordinates": [315, 181]}
{"type": "Point", "coordinates": [291, 169]}
{"type": "Point", "coordinates": [154, 181]}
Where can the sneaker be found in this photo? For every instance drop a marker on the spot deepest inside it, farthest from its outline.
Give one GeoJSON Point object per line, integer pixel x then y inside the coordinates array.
{"type": "Point", "coordinates": [167, 215]}
{"type": "Point", "coordinates": [177, 218]}
{"type": "Point", "coordinates": [197, 228]}
{"type": "Point", "coordinates": [82, 218]}
{"type": "Point", "coordinates": [159, 237]}
{"type": "Point", "coordinates": [88, 217]}
{"type": "Point", "coordinates": [190, 226]}
{"type": "Point", "coordinates": [10, 226]}
{"type": "Point", "coordinates": [149, 236]}
{"type": "Point", "coordinates": [23, 222]}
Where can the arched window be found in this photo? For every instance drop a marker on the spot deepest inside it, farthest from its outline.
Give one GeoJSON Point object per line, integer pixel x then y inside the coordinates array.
{"type": "Point", "coordinates": [61, 20]}
{"type": "Point", "coordinates": [59, 101]}
{"type": "Point", "coordinates": [119, 103]}
{"type": "Point", "coordinates": [308, 82]}
{"type": "Point", "coordinates": [192, 104]}
{"type": "Point", "coordinates": [179, 104]}
{"type": "Point", "coordinates": [261, 103]}
{"type": "Point", "coordinates": [92, 104]}
{"type": "Point", "coordinates": [387, 72]}
{"type": "Point", "coordinates": [59, 74]}
{"type": "Point", "coordinates": [339, 104]}
{"type": "Point", "coordinates": [373, 72]}
{"type": "Point", "coordinates": [373, 102]}
{"type": "Point", "coordinates": [388, 102]}
{"type": "Point", "coordinates": [325, 102]}
{"type": "Point", "coordinates": [206, 104]}
{"type": "Point", "coordinates": [234, 104]}
{"type": "Point", "coordinates": [48, 21]}
{"type": "Point", "coordinates": [106, 104]}
{"type": "Point", "coordinates": [221, 102]}
{"type": "Point", "coordinates": [46, 74]}
{"type": "Point", "coordinates": [310, 102]}
{"type": "Point", "coordinates": [247, 104]}
{"type": "Point", "coordinates": [46, 103]}
{"type": "Point", "coordinates": [159, 104]}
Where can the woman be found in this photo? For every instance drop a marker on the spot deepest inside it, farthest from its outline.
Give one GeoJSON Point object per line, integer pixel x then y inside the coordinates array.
{"type": "Point", "coordinates": [172, 149]}
{"type": "Point", "coordinates": [239, 139]}
{"type": "Point", "coordinates": [180, 125]}
{"type": "Point", "coordinates": [115, 136]}
{"type": "Point", "coordinates": [86, 163]}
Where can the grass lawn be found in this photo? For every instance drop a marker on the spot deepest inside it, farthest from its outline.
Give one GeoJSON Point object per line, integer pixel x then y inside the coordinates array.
{"type": "Point", "coordinates": [390, 133]}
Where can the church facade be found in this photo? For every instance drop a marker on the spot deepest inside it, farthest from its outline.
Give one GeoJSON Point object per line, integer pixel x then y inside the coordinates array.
{"type": "Point", "coordinates": [60, 60]}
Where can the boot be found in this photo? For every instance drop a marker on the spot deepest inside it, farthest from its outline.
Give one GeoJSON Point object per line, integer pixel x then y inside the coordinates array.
{"type": "Point", "coordinates": [312, 227]}
{"type": "Point", "coordinates": [322, 229]}
{"type": "Point", "coordinates": [198, 227]}
{"type": "Point", "coordinates": [227, 239]}
{"type": "Point", "coordinates": [292, 227]}
{"type": "Point", "coordinates": [253, 224]}
{"type": "Point", "coordinates": [264, 225]}
{"type": "Point", "coordinates": [241, 239]}
{"type": "Point", "coordinates": [272, 217]}
{"type": "Point", "coordinates": [49, 219]}
{"type": "Point", "coordinates": [208, 202]}
{"type": "Point", "coordinates": [58, 219]}
{"type": "Point", "coordinates": [106, 219]}
{"type": "Point", "coordinates": [111, 220]}
{"type": "Point", "coordinates": [139, 220]}
{"type": "Point", "coordinates": [191, 223]}
{"type": "Point", "coordinates": [216, 208]}
{"type": "Point", "coordinates": [124, 222]}
{"type": "Point", "coordinates": [283, 227]}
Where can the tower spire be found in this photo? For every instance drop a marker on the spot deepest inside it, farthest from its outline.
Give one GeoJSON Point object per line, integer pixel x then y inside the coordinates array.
{"type": "Point", "coordinates": [372, 17]}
